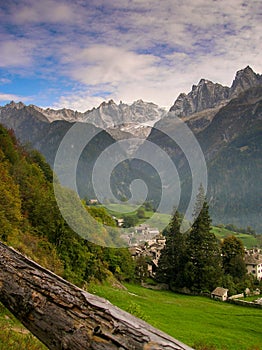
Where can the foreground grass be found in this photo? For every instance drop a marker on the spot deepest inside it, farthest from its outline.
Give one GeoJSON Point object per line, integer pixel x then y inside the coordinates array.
{"type": "Point", "coordinates": [13, 336]}
{"type": "Point", "coordinates": [197, 321]}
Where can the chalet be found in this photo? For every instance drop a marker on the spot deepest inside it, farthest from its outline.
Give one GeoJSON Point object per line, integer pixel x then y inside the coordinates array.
{"type": "Point", "coordinates": [220, 294]}
{"type": "Point", "coordinates": [93, 201]}
{"type": "Point", "coordinates": [253, 261]}
{"type": "Point", "coordinates": [119, 222]}
{"type": "Point", "coordinates": [146, 231]}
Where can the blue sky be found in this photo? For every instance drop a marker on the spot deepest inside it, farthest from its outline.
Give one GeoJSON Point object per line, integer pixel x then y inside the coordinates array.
{"type": "Point", "coordinates": [76, 54]}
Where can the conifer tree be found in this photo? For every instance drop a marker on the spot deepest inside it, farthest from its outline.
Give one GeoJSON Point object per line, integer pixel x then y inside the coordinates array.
{"type": "Point", "coordinates": [203, 268]}
{"type": "Point", "coordinates": [169, 266]}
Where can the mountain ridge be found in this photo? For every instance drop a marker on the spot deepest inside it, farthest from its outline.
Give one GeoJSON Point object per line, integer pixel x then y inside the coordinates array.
{"type": "Point", "coordinates": [204, 98]}
{"type": "Point", "coordinates": [207, 94]}
{"type": "Point", "coordinates": [227, 124]}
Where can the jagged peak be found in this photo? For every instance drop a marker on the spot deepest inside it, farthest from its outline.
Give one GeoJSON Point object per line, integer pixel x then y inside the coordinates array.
{"type": "Point", "coordinates": [107, 103]}
{"type": "Point", "coordinates": [139, 101]}
{"type": "Point", "coordinates": [246, 70]}
{"type": "Point", "coordinates": [245, 78]}
{"type": "Point", "coordinates": [204, 81]}
{"type": "Point", "coordinates": [201, 83]}
{"type": "Point", "coordinates": [17, 105]}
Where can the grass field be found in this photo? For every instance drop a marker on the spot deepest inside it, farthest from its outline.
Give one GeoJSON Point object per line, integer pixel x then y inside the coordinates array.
{"type": "Point", "coordinates": [197, 321]}
{"type": "Point", "coordinates": [13, 336]}
{"type": "Point", "coordinates": [158, 220]}
{"type": "Point", "coordinates": [249, 241]}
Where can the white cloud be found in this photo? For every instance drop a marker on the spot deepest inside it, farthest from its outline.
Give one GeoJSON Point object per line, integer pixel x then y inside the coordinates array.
{"type": "Point", "coordinates": [12, 97]}
{"type": "Point", "coordinates": [106, 64]}
{"type": "Point", "coordinates": [5, 81]}
{"type": "Point", "coordinates": [48, 11]}
{"type": "Point", "coordinates": [82, 101]}
{"type": "Point", "coordinates": [133, 49]}
{"type": "Point", "coordinates": [16, 52]}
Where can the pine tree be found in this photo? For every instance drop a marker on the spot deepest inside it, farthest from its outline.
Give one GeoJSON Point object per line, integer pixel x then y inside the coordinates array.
{"type": "Point", "coordinates": [169, 265]}
{"type": "Point", "coordinates": [203, 268]}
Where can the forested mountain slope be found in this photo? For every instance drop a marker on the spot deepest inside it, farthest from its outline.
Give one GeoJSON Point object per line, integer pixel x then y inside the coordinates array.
{"type": "Point", "coordinates": [31, 222]}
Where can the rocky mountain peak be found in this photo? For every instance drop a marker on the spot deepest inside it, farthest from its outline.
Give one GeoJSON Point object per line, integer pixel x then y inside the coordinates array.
{"type": "Point", "coordinates": [204, 82]}
{"type": "Point", "coordinates": [244, 79]}
{"type": "Point", "coordinates": [202, 96]}
{"type": "Point", "coordinates": [16, 105]}
{"type": "Point", "coordinates": [106, 104]}
{"type": "Point", "coordinates": [208, 95]}
{"type": "Point", "coordinates": [111, 115]}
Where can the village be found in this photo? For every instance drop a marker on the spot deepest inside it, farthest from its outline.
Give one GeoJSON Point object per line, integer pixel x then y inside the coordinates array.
{"type": "Point", "coordinates": [148, 242]}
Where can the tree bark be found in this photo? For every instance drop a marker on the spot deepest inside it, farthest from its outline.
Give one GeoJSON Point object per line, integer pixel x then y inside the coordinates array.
{"type": "Point", "coordinates": [63, 316]}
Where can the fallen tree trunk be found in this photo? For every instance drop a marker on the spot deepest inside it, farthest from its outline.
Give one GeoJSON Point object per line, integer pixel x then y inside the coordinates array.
{"type": "Point", "coordinates": [64, 316]}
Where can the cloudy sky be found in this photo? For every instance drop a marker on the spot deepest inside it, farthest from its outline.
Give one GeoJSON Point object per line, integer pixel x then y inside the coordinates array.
{"type": "Point", "coordinates": [76, 54]}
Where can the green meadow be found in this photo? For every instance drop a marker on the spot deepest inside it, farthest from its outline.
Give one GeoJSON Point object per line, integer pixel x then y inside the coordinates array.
{"type": "Point", "coordinates": [249, 241]}
{"type": "Point", "coordinates": [13, 336]}
{"type": "Point", "coordinates": [200, 322]}
{"type": "Point", "coordinates": [161, 220]}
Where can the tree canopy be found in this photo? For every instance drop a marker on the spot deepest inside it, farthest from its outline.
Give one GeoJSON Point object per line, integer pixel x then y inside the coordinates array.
{"type": "Point", "coordinates": [30, 219]}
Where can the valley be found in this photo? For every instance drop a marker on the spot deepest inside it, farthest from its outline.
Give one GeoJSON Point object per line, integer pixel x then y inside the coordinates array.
{"type": "Point", "coordinates": [130, 173]}
{"type": "Point", "coordinates": [228, 129]}
{"type": "Point", "coordinates": [226, 122]}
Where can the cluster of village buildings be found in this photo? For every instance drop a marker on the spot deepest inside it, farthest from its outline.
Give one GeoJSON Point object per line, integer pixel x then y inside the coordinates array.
{"type": "Point", "coordinates": [150, 248]}
{"type": "Point", "coordinates": [148, 242]}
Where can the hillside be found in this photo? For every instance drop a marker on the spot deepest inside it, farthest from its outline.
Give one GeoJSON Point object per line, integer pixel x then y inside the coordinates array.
{"type": "Point", "coordinates": [31, 222]}
{"type": "Point", "coordinates": [231, 144]}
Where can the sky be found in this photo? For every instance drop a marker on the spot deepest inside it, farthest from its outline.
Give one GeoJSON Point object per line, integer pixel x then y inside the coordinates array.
{"type": "Point", "coordinates": [77, 54]}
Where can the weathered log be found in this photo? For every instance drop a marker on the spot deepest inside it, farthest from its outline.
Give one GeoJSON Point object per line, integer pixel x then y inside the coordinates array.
{"type": "Point", "coordinates": [64, 316]}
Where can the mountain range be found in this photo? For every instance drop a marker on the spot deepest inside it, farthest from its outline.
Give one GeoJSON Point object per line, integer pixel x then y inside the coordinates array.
{"type": "Point", "coordinates": [225, 120]}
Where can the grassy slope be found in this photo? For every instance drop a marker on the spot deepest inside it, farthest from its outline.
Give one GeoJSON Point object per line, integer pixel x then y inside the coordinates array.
{"type": "Point", "coordinates": [249, 241]}
{"type": "Point", "coordinates": [13, 336]}
{"type": "Point", "coordinates": [161, 220]}
{"type": "Point", "coordinates": [193, 320]}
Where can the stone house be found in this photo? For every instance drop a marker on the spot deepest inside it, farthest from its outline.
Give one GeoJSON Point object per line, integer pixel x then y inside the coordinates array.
{"type": "Point", "coordinates": [220, 294]}
{"type": "Point", "coordinates": [253, 261]}
{"type": "Point", "coordinates": [150, 250]}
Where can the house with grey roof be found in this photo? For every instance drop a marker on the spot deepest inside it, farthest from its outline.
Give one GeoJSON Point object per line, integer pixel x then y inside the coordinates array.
{"type": "Point", "coordinates": [220, 294]}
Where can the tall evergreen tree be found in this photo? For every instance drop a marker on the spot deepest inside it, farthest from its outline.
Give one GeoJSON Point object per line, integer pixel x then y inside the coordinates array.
{"type": "Point", "coordinates": [203, 267]}
{"type": "Point", "coordinates": [169, 265]}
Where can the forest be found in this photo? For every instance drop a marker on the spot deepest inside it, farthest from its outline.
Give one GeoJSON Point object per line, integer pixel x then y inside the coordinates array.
{"type": "Point", "coordinates": [31, 222]}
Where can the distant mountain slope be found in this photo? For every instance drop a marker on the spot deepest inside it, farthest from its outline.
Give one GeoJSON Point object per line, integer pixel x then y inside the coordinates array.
{"type": "Point", "coordinates": [31, 222]}
{"type": "Point", "coordinates": [137, 118]}
{"type": "Point", "coordinates": [225, 120]}
{"type": "Point", "coordinates": [231, 143]}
